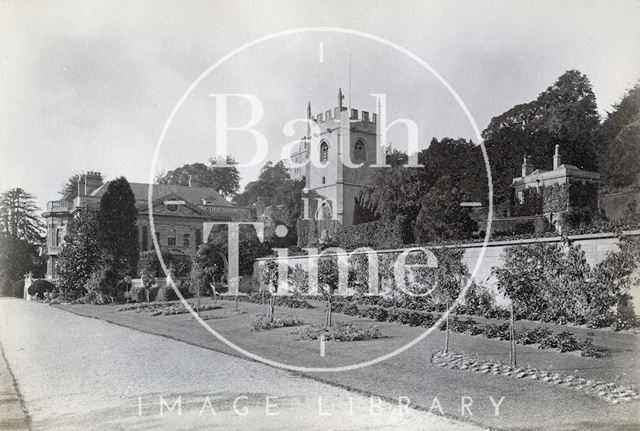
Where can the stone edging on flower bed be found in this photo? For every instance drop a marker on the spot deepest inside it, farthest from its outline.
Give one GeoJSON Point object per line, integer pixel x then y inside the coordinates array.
{"type": "Point", "coordinates": [611, 393]}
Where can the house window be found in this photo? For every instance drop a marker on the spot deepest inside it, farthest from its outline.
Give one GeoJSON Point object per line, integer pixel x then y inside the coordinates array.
{"type": "Point", "coordinates": [158, 238]}
{"type": "Point", "coordinates": [58, 237]}
{"type": "Point", "coordinates": [324, 152]}
{"type": "Point", "coordinates": [186, 240]}
{"type": "Point", "coordinates": [323, 180]}
{"type": "Point", "coordinates": [171, 239]}
{"type": "Point", "coordinates": [359, 154]}
{"type": "Point", "coordinates": [171, 207]}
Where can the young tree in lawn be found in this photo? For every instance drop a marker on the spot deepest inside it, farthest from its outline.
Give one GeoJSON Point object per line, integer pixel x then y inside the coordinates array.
{"type": "Point", "coordinates": [118, 233]}
{"type": "Point", "coordinates": [330, 270]}
{"type": "Point", "coordinates": [80, 255]}
{"type": "Point", "coordinates": [270, 281]}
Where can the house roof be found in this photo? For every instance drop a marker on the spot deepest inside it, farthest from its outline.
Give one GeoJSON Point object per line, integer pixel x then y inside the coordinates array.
{"type": "Point", "coordinates": [193, 195]}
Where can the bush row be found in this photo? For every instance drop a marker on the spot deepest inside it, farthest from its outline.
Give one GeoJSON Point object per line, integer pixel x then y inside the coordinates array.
{"type": "Point", "coordinates": [545, 338]}
{"type": "Point", "coordinates": [293, 301]}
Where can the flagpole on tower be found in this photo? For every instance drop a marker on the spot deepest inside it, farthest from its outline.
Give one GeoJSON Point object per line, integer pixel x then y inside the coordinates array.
{"type": "Point", "coordinates": [349, 113]}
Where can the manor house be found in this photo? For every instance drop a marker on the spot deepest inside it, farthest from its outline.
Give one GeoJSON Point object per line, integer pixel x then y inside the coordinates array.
{"type": "Point", "coordinates": [178, 213]}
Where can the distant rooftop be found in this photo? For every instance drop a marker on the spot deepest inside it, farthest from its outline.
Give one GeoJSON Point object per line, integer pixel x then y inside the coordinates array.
{"type": "Point", "coordinates": [193, 195]}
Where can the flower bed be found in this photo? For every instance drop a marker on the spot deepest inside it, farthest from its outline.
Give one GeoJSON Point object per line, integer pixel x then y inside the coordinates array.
{"type": "Point", "coordinates": [262, 323]}
{"type": "Point", "coordinates": [611, 393]}
{"type": "Point", "coordinates": [339, 332]}
{"type": "Point", "coordinates": [166, 308]}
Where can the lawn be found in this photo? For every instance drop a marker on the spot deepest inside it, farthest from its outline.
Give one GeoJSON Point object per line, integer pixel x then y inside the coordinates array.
{"type": "Point", "coordinates": [528, 404]}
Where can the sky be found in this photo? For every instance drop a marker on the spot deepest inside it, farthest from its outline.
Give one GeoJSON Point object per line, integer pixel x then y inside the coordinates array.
{"type": "Point", "coordinates": [89, 86]}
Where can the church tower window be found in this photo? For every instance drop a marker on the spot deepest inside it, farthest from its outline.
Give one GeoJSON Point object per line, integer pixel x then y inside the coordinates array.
{"type": "Point", "coordinates": [324, 152]}
{"type": "Point", "coordinates": [359, 154]}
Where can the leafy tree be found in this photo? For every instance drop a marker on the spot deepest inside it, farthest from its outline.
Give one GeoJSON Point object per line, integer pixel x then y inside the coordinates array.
{"type": "Point", "coordinates": [396, 191]}
{"type": "Point", "coordinates": [81, 254]}
{"type": "Point", "coordinates": [564, 114]}
{"type": "Point", "coordinates": [276, 186]}
{"type": "Point", "coordinates": [624, 113]}
{"type": "Point", "coordinates": [609, 292]}
{"type": "Point", "coordinates": [622, 166]}
{"type": "Point", "coordinates": [441, 216]}
{"type": "Point", "coordinates": [554, 282]}
{"type": "Point", "coordinates": [69, 190]}
{"type": "Point", "coordinates": [270, 182]}
{"type": "Point", "coordinates": [17, 258]}
{"type": "Point", "coordinates": [460, 160]}
{"type": "Point", "coordinates": [226, 180]}
{"type": "Point", "coordinates": [207, 267]}
{"type": "Point", "coordinates": [118, 233]}
{"type": "Point", "coordinates": [19, 218]}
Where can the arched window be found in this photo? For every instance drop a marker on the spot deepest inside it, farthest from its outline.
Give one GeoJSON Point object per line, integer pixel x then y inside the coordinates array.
{"type": "Point", "coordinates": [171, 237]}
{"type": "Point", "coordinates": [324, 152]}
{"type": "Point", "coordinates": [359, 153]}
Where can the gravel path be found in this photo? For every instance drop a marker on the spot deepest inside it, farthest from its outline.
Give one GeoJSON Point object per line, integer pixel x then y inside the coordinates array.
{"type": "Point", "coordinates": [80, 373]}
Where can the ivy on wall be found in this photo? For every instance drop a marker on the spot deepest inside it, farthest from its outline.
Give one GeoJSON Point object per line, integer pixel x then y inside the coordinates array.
{"type": "Point", "coordinates": [557, 198]}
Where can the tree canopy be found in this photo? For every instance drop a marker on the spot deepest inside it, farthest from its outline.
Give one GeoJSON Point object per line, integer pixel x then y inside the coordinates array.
{"type": "Point", "coordinates": [565, 114]}
{"type": "Point", "coordinates": [80, 255]}
{"type": "Point", "coordinates": [226, 180]}
{"type": "Point", "coordinates": [69, 190]}
{"type": "Point", "coordinates": [117, 231]}
{"type": "Point", "coordinates": [19, 218]}
{"type": "Point", "coordinates": [441, 216]}
{"type": "Point", "coordinates": [619, 151]}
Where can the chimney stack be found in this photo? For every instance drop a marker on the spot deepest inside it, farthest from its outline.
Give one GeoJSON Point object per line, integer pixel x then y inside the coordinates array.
{"type": "Point", "coordinates": [91, 181]}
{"type": "Point", "coordinates": [527, 167]}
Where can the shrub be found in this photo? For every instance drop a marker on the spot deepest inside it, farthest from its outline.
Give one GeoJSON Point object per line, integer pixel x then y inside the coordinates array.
{"type": "Point", "coordinates": [339, 332]}
{"type": "Point", "coordinates": [478, 300]}
{"type": "Point", "coordinates": [150, 264]}
{"type": "Point", "coordinates": [376, 313]}
{"type": "Point", "coordinates": [564, 341]}
{"type": "Point", "coordinates": [589, 350]}
{"type": "Point", "coordinates": [350, 309]}
{"type": "Point", "coordinates": [294, 301]}
{"type": "Point", "coordinates": [40, 287]}
{"type": "Point", "coordinates": [532, 336]}
{"type": "Point", "coordinates": [95, 288]}
{"type": "Point", "coordinates": [497, 331]}
{"type": "Point", "coordinates": [183, 288]}
{"type": "Point", "coordinates": [299, 279]}
{"type": "Point", "coordinates": [262, 323]}
{"type": "Point", "coordinates": [468, 326]}
{"type": "Point", "coordinates": [554, 283]}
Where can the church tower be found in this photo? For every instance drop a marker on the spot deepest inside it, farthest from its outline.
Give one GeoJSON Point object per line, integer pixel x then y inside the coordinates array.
{"type": "Point", "coordinates": [342, 133]}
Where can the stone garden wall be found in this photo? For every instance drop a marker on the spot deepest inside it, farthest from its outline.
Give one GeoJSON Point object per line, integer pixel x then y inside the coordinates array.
{"type": "Point", "coordinates": [595, 246]}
